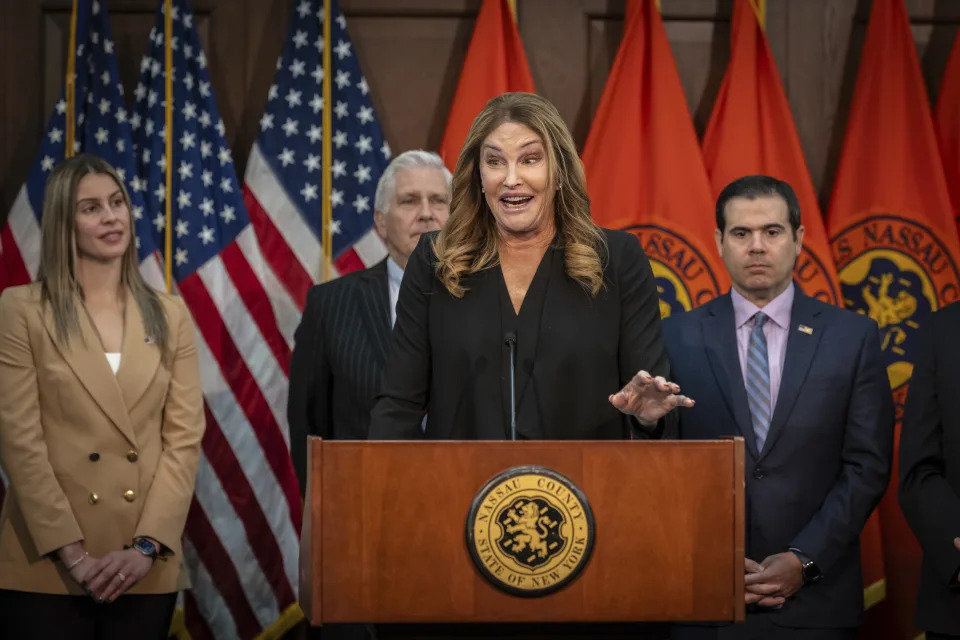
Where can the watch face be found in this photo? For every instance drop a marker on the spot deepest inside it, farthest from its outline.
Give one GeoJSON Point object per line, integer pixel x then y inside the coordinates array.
{"type": "Point", "coordinates": [145, 546]}
{"type": "Point", "coordinates": [811, 573]}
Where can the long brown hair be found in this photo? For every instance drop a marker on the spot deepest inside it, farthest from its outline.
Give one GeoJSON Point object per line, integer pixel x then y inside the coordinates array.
{"type": "Point", "coordinates": [58, 254]}
{"type": "Point", "coordinates": [469, 242]}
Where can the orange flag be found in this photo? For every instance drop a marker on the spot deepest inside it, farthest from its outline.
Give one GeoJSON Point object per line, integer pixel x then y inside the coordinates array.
{"type": "Point", "coordinates": [751, 131]}
{"type": "Point", "coordinates": [947, 116]}
{"type": "Point", "coordinates": [894, 241]}
{"type": "Point", "coordinates": [495, 64]}
{"type": "Point", "coordinates": [644, 170]}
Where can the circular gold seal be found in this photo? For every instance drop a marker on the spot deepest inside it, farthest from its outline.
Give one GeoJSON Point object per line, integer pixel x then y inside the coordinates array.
{"type": "Point", "coordinates": [530, 531]}
{"type": "Point", "coordinates": [684, 279]}
{"type": "Point", "coordinates": [897, 272]}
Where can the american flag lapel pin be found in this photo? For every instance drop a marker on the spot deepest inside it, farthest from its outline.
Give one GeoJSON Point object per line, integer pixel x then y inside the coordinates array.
{"type": "Point", "coordinates": [805, 329]}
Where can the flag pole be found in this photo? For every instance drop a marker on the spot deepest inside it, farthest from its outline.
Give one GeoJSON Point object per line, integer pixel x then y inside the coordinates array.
{"type": "Point", "coordinates": [168, 139]}
{"type": "Point", "coordinates": [326, 232]}
{"type": "Point", "coordinates": [71, 85]}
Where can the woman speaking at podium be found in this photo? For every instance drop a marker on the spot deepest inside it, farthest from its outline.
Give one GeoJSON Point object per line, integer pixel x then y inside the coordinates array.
{"type": "Point", "coordinates": [521, 286]}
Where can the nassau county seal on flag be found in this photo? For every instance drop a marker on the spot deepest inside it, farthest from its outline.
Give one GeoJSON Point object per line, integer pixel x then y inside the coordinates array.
{"type": "Point", "coordinates": [684, 277]}
{"type": "Point", "coordinates": [897, 272]}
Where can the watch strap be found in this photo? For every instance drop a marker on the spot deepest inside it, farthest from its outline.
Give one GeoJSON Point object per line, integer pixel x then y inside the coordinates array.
{"type": "Point", "coordinates": [810, 570]}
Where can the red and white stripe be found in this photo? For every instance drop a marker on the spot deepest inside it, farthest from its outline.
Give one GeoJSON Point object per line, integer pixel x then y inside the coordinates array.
{"type": "Point", "coordinates": [290, 248]}
{"type": "Point", "coordinates": [20, 239]}
{"type": "Point", "coordinates": [244, 523]}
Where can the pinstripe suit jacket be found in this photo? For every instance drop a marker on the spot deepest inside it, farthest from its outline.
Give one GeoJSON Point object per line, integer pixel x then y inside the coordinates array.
{"type": "Point", "coordinates": [338, 359]}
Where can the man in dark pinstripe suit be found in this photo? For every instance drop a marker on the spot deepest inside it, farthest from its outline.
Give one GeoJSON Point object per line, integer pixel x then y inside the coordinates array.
{"type": "Point", "coordinates": [341, 343]}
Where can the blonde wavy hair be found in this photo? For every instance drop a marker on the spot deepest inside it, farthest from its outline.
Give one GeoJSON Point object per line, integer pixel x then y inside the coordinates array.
{"type": "Point", "coordinates": [58, 254]}
{"type": "Point", "coordinates": [469, 242]}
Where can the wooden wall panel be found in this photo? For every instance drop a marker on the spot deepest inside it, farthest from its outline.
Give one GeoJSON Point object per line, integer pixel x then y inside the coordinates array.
{"type": "Point", "coordinates": [412, 99]}
{"type": "Point", "coordinates": [21, 121]}
{"type": "Point", "coordinates": [412, 50]}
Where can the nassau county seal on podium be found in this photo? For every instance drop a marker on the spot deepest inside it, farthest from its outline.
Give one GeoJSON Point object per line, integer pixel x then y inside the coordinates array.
{"type": "Point", "coordinates": [530, 531]}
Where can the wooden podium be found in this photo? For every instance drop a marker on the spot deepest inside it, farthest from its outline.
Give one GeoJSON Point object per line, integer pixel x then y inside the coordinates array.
{"type": "Point", "coordinates": [383, 533]}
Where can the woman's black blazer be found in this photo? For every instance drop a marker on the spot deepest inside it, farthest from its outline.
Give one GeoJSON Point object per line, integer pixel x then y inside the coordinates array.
{"type": "Point", "coordinates": [448, 358]}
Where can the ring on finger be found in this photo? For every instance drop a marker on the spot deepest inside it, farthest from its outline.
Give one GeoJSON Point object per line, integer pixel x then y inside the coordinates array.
{"type": "Point", "coordinates": [121, 576]}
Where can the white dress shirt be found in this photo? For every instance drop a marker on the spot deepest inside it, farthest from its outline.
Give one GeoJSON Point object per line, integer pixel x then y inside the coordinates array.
{"type": "Point", "coordinates": [394, 277]}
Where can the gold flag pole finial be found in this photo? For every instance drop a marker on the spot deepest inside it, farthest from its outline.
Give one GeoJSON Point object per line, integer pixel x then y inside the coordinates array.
{"type": "Point", "coordinates": [326, 231]}
{"type": "Point", "coordinates": [168, 139]}
{"type": "Point", "coordinates": [71, 86]}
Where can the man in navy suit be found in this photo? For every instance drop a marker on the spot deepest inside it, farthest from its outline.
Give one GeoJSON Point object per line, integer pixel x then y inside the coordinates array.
{"type": "Point", "coordinates": [804, 384]}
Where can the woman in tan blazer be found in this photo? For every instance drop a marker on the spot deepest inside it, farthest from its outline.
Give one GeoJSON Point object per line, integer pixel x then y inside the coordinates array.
{"type": "Point", "coordinates": [101, 418]}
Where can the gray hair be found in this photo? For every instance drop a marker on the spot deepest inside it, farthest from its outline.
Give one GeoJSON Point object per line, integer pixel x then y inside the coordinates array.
{"type": "Point", "coordinates": [413, 159]}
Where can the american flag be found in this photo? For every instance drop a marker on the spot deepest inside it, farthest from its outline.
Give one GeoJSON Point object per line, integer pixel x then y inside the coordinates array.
{"type": "Point", "coordinates": [102, 127]}
{"type": "Point", "coordinates": [282, 185]}
{"type": "Point", "coordinates": [241, 541]}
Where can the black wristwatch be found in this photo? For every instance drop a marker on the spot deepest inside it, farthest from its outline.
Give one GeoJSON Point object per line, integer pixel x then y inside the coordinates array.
{"type": "Point", "coordinates": [811, 572]}
{"type": "Point", "coordinates": [146, 547]}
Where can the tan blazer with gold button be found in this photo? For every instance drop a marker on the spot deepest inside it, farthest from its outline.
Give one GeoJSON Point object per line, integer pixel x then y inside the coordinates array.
{"type": "Point", "coordinates": [91, 455]}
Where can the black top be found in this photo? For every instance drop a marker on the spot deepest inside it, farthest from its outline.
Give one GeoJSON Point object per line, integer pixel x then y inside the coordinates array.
{"type": "Point", "coordinates": [525, 325]}
{"type": "Point", "coordinates": [448, 355]}
{"type": "Point", "coordinates": [930, 468]}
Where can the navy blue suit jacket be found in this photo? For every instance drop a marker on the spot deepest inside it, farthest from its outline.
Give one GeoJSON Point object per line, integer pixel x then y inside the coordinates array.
{"type": "Point", "coordinates": [826, 460]}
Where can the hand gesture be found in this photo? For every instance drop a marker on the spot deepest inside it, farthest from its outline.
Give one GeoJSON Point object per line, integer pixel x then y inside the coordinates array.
{"type": "Point", "coordinates": [762, 595]}
{"type": "Point", "coordinates": [78, 563]}
{"type": "Point", "coordinates": [85, 568]}
{"type": "Point", "coordinates": [771, 582]}
{"type": "Point", "coordinates": [116, 572]}
{"type": "Point", "coordinates": [648, 399]}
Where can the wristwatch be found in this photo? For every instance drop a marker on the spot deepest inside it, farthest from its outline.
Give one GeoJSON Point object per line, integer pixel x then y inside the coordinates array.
{"type": "Point", "coordinates": [811, 572]}
{"type": "Point", "coordinates": [146, 547]}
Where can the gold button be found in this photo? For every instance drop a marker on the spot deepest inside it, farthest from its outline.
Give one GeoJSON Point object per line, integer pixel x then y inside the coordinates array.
{"type": "Point", "coordinates": [129, 495]}
{"type": "Point", "coordinates": [132, 456]}
{"type": "Point", "coordinates": [93, 499]}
